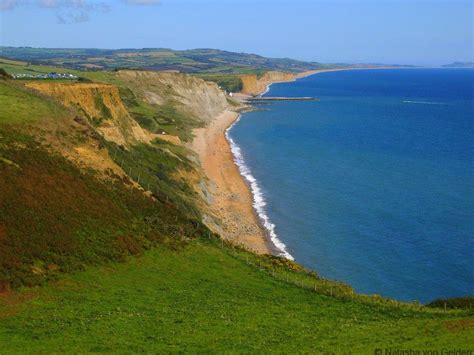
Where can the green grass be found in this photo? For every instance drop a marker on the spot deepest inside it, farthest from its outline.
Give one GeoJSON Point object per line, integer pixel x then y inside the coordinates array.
{"type": "Point", "coordinates": [20, 106]}
{"type": "Point", "coordinates": [18, 67]}
{"type": "Point", "coordinates": [228, 82]}
{"type": "Point", "coordinates": [202, 298]}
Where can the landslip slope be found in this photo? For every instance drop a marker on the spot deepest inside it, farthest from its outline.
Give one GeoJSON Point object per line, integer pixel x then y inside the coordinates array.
{"type": "Point", "coordinates": [102, 105]}
{"type": "Point", "coordinates": [201, 100]}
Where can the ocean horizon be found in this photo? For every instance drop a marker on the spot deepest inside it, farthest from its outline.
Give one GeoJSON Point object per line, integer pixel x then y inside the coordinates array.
{"type": "Point", "coordinates": [372, 184]}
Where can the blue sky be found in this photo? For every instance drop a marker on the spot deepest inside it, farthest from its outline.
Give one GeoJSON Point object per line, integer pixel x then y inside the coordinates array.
{"type": "Point", "coordinates": [426, 32]}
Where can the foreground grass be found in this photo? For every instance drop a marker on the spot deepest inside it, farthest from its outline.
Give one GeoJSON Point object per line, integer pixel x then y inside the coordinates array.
{"type": "Point", "coordinates": [203, 299]}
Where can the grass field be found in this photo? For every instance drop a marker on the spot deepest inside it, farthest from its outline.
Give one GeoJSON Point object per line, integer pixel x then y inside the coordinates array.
{"type": "Point", "coordinates": [188, 61]}
{"type": "Point", "coordinates": [202, 298]}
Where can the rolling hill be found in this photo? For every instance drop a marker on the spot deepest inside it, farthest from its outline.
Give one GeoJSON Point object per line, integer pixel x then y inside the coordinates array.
{"type": "Point", "coordinates": [187, 61]}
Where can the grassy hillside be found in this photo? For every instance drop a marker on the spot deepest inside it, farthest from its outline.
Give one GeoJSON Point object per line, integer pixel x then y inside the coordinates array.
{"type": "Point", "coordinates": [106, 251]}
{"type": "Point", "coordinates": [203, 298]}
{"type": "Point", "coordinates": [228, 82]}
{"type": "Point", "coordinates": [58, 217]}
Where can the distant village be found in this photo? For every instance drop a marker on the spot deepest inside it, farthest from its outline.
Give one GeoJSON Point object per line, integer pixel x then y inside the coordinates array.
{"type": "Point", "coordinates": [51, 75]}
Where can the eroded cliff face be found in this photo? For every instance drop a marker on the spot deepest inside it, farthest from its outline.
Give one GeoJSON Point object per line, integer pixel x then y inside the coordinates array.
{"type": "Point", "coordinates": [103, 107]}
{"type": "Point", "coordinates": [193, 96]}
{"type": "Point", "coordinates": [254, 86]}
{"type": "Point", "coordinates": [99, 109]}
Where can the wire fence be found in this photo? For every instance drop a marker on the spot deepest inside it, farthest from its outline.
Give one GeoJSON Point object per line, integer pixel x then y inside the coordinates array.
{"type": "Point", "coordinates": [281, 270]}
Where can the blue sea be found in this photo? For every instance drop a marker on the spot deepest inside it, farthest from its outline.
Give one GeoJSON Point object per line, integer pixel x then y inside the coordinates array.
{"type": "Point", "coordinates": [373, 184]}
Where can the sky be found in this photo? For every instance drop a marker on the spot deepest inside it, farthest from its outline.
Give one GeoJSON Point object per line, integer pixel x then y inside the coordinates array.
{"type": "Point", "coordinates": [421, 32]}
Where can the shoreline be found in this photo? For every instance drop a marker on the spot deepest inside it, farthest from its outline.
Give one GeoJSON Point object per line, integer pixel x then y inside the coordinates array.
{"type": "Point", "coordinates": [258, 199]}
{"type": "Point", "coordinates": [234, 196]}
{"type": "Point", "coordinates": [229, 197]}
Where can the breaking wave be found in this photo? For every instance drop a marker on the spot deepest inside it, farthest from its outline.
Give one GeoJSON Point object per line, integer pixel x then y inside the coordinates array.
{"type": "Point", "coordinates": [259, 202]}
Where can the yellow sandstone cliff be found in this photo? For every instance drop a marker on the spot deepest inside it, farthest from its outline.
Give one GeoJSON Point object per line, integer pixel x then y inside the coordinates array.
{"type": "Point", "coordinates": [254, 86]}
{"type": "Point", "coordinates": [102, 105]}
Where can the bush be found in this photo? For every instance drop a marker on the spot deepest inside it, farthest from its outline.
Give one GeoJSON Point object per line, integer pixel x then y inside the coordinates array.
{"type": "Point", "coordinates": [84, 80]}
{"type": "Point", "coordinates": [466, 302]}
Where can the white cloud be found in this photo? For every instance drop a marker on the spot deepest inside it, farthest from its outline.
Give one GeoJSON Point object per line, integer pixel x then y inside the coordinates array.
{"type": "Point", "coordinates": [66, 11]}
{"type": "Point", "coordinates": [72, 11]}
{"type": "Point", "coordinates": [9, 4]}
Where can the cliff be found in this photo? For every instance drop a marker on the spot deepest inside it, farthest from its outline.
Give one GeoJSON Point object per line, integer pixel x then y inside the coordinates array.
{"type": "Point", "coordinates": [254, 86]}
{"type": "Point", "coordinates": [101, 105]}
{"type": "Point", "coordinates": [189, 95]}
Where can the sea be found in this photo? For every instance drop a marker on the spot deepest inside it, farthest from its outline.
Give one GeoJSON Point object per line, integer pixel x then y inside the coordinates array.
{"type": "Point", "coordinates": [373, 183]}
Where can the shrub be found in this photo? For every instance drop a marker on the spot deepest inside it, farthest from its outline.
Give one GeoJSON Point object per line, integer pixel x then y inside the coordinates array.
{"type": "Point", "coordinates": [466, 302]}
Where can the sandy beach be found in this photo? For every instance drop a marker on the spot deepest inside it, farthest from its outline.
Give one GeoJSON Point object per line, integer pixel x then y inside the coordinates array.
{"type": "Point", "coordinates": [231, 200]}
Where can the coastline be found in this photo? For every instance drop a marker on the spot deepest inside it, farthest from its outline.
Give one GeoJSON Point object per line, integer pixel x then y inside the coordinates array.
{"type": "Point", "coordinates": [230, 198]}
{"type": "Point", "coordinates": [318, 71]}
{"type": "Point", "coordinates": [258, 199]}
{"type": "Point", "coordinates": [234, 195]}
